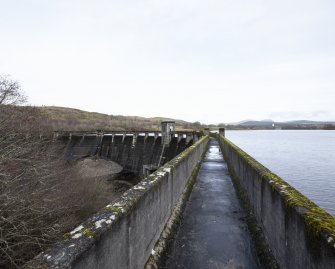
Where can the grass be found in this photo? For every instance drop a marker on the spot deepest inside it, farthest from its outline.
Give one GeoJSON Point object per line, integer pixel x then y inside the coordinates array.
{"type": "Point", "coordinates": [69, 119]}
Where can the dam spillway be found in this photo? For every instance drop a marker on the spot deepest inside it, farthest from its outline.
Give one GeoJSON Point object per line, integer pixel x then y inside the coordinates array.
{"type": "Point", "coordinates": [132, 150]}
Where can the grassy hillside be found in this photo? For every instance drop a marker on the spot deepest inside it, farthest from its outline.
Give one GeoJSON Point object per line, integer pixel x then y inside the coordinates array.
{"type": "Point", "coordinates": [42, 196]}
{"type": "Point", "coordinates": [61, 118]}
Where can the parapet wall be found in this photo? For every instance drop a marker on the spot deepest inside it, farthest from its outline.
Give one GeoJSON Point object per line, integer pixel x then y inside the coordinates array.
{"type": "Point", "coordinates": [299, 233]}
{"type": "Point", "coordinates": [123, 234]}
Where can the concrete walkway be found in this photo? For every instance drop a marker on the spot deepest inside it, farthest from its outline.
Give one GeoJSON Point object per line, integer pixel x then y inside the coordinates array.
{"type": "Point", "coordinates": [213, 233]}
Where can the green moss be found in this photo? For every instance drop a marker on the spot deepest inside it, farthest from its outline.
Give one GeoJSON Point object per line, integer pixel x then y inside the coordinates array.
{"type": "Point", "coordinates": [183, 155]}
{"type": "Point", "coordinates": [317, 220]}
{"type": "Point", "coordinates": [67, 235]}
{"type": "Point", "coordinates": [88, 232]}
{"type": "Point", "coordinates": [114, 209]}
{"type": "Point", "coordinates": [168, 233]}
{"type": "Point", "coordinates": [126, 203]}
{"type": "Point", "coordinates": [263, 251]}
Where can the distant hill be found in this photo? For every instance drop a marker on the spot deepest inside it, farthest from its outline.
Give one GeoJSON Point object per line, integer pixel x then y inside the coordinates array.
{"type": "Point", "coordinates": [270, 124]}
{"type": "Point", "coordinates": [70, 119]}
{"type": "Point", "coordinates": [258, 123]}
{"type": "Point", "coordinates": [308, 122]}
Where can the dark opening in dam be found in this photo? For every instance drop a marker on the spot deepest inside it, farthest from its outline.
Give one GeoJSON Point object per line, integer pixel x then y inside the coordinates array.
{"type": "Point", "coordinates": [139, 153]}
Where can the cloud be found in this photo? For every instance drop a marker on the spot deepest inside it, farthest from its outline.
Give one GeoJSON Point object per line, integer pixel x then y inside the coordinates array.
{"type": "Point", "coordinates": [232, 59]}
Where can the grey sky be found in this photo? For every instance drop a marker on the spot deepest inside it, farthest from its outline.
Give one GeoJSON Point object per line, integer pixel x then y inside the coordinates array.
{"type": "Point", "coordinates": [212, 61]}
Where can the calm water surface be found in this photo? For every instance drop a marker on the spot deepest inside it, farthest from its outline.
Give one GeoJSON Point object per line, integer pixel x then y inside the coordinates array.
{"type": "Point", "coordinates": [305, 159]}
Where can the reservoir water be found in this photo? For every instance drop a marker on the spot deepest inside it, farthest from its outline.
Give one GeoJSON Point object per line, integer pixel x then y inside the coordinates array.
{"type": "Point", "coordinates": [305, 159]}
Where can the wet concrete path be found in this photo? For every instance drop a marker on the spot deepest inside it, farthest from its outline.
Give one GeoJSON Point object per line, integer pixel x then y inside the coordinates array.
{"type": "Point", "coordinates": [213, 233]}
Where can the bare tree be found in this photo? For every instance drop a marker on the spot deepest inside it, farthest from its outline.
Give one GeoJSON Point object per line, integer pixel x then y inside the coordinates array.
{"type": "Point", "coordinates": [10, 92]}
{"type": "Point", "coordinates": [41, 197]}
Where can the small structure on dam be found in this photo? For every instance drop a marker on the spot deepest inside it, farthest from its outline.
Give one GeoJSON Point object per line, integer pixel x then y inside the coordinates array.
{"type": "Point", "coordinates": [167, 128]}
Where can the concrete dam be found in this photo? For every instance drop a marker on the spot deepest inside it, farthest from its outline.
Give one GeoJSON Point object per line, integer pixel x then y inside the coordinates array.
{"type": "Point", "coordinates": [210, 206]}
{"type": "Point", "coordinates": [137, 152]}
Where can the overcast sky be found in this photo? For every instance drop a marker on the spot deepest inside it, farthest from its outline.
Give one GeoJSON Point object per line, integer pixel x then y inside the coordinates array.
{"type": "Point", "coordinates": [210, 61]}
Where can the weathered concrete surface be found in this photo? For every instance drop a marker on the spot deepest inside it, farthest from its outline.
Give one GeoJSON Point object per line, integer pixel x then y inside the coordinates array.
{"type": "Point", "coordinates": [299, 233]}
{"type": "Point", "coordinates": [131, 150]}
{"type": "Point", "coordinates": [213, 233]}
{"type": "Point", "coordinates": [123, 234]}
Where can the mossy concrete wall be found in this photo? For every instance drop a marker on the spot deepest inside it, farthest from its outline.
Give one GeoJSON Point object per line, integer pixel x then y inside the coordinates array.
{"type": "Point", "coordinates": [299, 233]}
{"type": "Point", "coordinates": [123, 234]}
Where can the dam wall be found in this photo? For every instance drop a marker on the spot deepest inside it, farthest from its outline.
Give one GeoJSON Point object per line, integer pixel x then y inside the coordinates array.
{"type": "Point", "coordinates": [299, 233]}
{"type": "Point", "coordinates": [124, 234]}
{"type": "Point", "coordinates": [132, 150]}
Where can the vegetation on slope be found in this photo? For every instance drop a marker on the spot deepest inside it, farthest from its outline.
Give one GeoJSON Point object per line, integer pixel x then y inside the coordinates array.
{"type": "Point", "coordinates": [41, 196]}
{"type": "Point", "coordinates": [69, 119]}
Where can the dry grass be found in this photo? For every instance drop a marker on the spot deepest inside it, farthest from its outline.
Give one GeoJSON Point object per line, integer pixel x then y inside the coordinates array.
{"type": "Point", "coordinates": [60, 118]}
{"type": "Point", "coordinates": [41, 196]}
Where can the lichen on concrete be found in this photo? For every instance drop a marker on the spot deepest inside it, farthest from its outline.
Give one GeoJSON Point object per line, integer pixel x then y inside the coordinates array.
{"type": "Point", "coordinates": [162, 244]}
{"type": "Point", "coordinates": [89, 232]}
{"type": "Point", "coordinates": [318, 222]}
{"type": "Point", "coordinates": [263, 251]}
